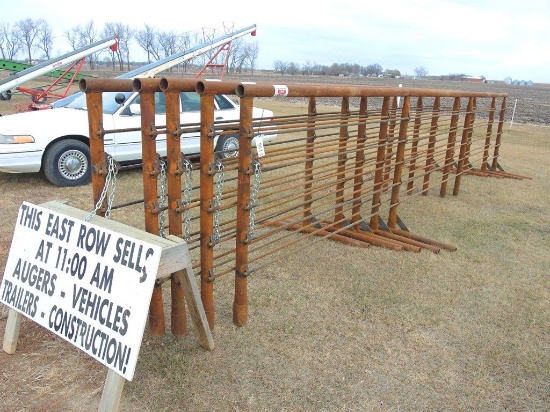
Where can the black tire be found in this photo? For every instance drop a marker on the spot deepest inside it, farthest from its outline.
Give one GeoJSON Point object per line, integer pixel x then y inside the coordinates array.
{"type": "Point", "coordinates": [35, 98]}
{"type": "Point", "coordinates": [5, 95]}
{"type": "Point", "coordinates": [67, 163]}
{"type": "Point", "coordinates": [227, 146]}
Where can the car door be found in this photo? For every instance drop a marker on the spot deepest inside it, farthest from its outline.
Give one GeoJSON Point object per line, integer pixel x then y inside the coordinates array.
{"type": "Point", "coordinates": [127, 143]}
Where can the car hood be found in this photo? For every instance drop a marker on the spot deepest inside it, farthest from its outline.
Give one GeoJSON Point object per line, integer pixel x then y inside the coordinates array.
{"type": "Point", "coordinates": [48, 123]}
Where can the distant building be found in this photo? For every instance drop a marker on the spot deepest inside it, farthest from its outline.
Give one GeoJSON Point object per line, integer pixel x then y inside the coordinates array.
{"type": "Point", "coordinates": [474, 79]}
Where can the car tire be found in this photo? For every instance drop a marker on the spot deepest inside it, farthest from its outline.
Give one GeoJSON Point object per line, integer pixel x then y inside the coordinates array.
{"type": "Point", "coordinates": [67, 163]}
{"type": "Point", "coordinates": [227, 146]}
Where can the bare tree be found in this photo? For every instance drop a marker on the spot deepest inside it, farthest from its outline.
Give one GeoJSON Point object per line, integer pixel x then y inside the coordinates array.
{"type": "Point", "coordinates": [45, 38]}
{"type": "Point", "coordinates": [235, 55]}
{"type": "Point", "coordinates": [73, 37]}
{"type": "Point", "coordinates": [420, 71]}
{"type": "Point", "coordinates": [148, 41]}
{"type": "Point", "coordinates": [281, 66]}
{"type": "Point", "coordinates": [168, 42]}
{"type": "Point", "coordinates": [293, 68]}
{"type": "Point", "coordinates": [373, 69]}
{"type": "Point", "coordinates": [253, 49]}
{"type": "Point", "coordinates": [238, 55]}
{"type": "Point", "coordinates": [307, 68]}
{"type": "Point", "coordinates": [111, 29]}
{"type": "Point", "coordinates": [88, 35]}
{"type": "Point", "coordinates": [10, 43]}
{"type": "Point", "coordinates": [28, 30]}
{"type": "Point", "coordinates": [124, 34]}
{"type": "Point", "coordinates": [184, 42]}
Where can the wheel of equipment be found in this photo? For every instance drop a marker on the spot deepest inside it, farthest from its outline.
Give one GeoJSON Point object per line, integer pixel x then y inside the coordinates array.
{"type": "Point", "coordinates": [228, 146]}
{"type": "Point", "coordinates": [67, 163]}
{"type": "Point", "coordinates": [35, 97]}
{"type": "Point", "coordinates": [5, 95]}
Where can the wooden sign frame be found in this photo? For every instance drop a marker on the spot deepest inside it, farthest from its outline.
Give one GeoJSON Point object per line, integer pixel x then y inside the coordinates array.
{"type": "Point", "coordinates": [174, 260]}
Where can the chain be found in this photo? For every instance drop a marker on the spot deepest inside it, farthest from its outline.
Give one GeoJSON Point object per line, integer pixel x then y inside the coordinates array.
{"type": "Point", "coordinates": [110, 186]}
{"type": "Point", "coordinates": [187, 188]}
{"type": "Point", "coordinates": [218, 190]}
{"type": "Point", "coordinates": [254, 192]}
{"type": "Point", "coordinates": [162, 197]}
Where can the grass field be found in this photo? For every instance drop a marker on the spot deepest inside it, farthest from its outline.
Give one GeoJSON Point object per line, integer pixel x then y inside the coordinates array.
{"type": "Point", "coordinates": [338, 328]}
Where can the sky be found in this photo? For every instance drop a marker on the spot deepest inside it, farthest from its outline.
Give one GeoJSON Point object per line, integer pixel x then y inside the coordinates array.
{"type": "Point", "coordinates": [493, 38]}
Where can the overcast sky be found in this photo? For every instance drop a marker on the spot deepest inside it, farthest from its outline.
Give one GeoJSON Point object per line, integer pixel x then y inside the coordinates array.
{"type": "Point", "coordinates": [494, 38]}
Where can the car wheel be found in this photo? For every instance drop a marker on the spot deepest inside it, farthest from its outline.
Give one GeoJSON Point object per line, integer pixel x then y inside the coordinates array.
{"type": "Point", "coordinates": [67, 163]}
{"type": "Point", "coordinates": [228, 146]}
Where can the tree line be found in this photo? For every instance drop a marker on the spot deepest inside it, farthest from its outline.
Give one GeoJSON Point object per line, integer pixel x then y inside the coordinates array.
{"type": "Point", "coordinates": [340, 69]}
{"type": "Point", "coordinates": [32, 40]}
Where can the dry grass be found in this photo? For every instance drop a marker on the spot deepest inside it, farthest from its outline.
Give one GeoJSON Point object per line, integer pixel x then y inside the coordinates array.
{"type": "Point", "coordinates": [337, 328]}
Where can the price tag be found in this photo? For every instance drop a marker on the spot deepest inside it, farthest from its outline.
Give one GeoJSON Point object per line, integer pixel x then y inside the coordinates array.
{"type": "Point", "coordinates": [260, 146]}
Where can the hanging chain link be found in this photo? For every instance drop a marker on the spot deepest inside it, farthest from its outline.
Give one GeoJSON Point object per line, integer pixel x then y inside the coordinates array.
{"type": "Point", "coordinates": [254, 192]}
{"type": "Point", "coordinates": [110, 186]}
{"type": "Point", "coordinates": [187, 189]}
{"type": "Point", "coordinates": [162, 197]}
{"type": "Point", "coordinates": [218, 191]}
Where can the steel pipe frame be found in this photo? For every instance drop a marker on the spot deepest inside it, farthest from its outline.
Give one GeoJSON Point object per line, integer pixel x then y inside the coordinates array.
{"type": "Point", "coordinates": [150, 171]}
{"type": "Point", "coordinates": [175, 159]}
{"type": "Point", "coordinates": [248, 91]}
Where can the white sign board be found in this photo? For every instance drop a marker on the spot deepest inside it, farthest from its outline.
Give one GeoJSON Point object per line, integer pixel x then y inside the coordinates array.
{"type": "Point", "coordinates": [90, 285]}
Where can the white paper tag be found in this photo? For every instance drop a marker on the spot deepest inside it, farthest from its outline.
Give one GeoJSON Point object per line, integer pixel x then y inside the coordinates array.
{"type": "Point", "coordinates": [280, 90]}
{"type": "Point", "coordinates": [260, 146]}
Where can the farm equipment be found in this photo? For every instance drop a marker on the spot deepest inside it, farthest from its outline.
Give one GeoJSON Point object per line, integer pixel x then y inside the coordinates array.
{"type": "Point", "coordinates": [152, 69]}
{"type": "Point", "coordinates": [75, 59]}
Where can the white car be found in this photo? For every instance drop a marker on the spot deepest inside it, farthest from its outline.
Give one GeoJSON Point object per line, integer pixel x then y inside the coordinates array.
{"type": "Point", "coordinates": [56, 140]}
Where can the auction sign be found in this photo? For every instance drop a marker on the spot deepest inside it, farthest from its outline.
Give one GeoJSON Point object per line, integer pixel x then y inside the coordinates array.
{"type": "Point", "coordinates": [90, 285]}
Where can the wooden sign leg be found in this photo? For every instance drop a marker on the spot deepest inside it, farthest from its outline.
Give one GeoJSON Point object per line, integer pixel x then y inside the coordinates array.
{"type": "Point", "coordinates": [196, 309]}
{"type": "Point", "coordinates": [112, 392]}
{"type": "Point", "coordinates": [11, 334]}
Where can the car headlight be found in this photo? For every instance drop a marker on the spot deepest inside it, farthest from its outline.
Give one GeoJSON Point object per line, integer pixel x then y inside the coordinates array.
{"type": "Point", "coordinates": [16, 138]}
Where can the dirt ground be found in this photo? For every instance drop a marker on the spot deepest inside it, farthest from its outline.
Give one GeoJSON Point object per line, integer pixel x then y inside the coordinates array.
{"type": "Point", "coordinates": [338, 329]}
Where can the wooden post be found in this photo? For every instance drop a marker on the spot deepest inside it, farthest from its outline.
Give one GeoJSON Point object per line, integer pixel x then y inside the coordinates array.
{"type": "Point", "coordinates": [112, 392]}
{"type": "Point", "coordinates": [11, 334]}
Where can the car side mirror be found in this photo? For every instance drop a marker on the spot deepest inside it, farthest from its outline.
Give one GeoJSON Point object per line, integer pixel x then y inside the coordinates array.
{"type": "Point", "coordinates": [135, 108]}
{"type": "Point", "coordinates": [120, 98]}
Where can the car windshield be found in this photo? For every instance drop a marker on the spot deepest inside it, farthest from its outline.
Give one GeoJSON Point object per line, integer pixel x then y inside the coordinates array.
{"type": "Point", "coordinates": [109, 104]}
